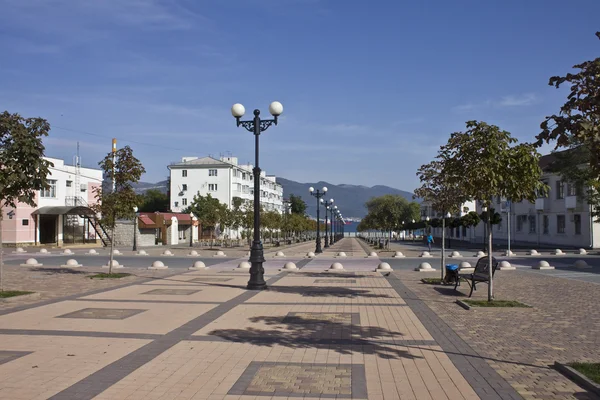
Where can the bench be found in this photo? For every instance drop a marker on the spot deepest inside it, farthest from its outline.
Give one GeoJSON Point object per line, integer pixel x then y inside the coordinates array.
{"type": "Point", "coordinates": [479, 275]}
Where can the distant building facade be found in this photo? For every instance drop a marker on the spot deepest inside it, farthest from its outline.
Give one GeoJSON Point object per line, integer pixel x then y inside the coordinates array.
{"type": "Point", "coordinates": [62, 214]}
{"type": "Point", "coordinates": [562, 219]}
{"type": "Point", "coordinates": [223, 179]}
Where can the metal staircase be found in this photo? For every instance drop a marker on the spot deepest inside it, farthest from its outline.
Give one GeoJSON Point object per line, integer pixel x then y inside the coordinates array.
{"type": "Point", "coordinates": [74, 220]}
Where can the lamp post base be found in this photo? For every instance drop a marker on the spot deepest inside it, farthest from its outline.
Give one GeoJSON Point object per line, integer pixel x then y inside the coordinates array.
{"type": "Point", "coordinates": [257, 272]}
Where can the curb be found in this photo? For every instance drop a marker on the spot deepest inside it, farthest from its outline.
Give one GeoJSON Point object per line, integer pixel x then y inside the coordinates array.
{"type": "Point", "coordinates": [463, 305]}
{"type": "Point", "coordinates": [578, 378]}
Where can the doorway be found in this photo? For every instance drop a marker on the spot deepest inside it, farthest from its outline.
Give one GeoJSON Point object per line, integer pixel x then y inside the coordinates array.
{"type": "Point", "coordinates": [48, 226]}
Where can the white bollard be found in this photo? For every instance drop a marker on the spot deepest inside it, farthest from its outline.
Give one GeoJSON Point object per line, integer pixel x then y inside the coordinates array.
{"type": "Point", "coordinates": [198, 265]}
{"type": "Point", "coordinates": [336, 266]}
{"type": "Point", "coordinates": [19, 250]}
{"type": "Point", "coordinates": [383, 267]}
{"type": "Point", "coordinates": [424, 267]}
{"type": "Point", "coordinates": [116, 252]}
{"type": "Point", "coordinates": [219, 254]}
{"type": "Point", "coordinates": [158, 265]}
{"type": "Point", "coordinates": [465, 268]}
{"type": "Point", "coordinates": [167, 253]}
{"type": "Point", "coordinates": [71, 264]}
{"type": "Point", "coordinates": [280, 254]}
{"type": "Point", "coordinates": [581, 264]}
{"type": "Point", "coordinates": [193, 253]}
{"type": "Point", "coordinates": [372, 254]}
{"type": "Point", "coordinates": [115, 265]}
{"type": "Point", "coordinates": [582, 252]}
{"type": "Point", "coordinates": [310, 254]}
{"type": "Point", "coordinates": [142, 253]}
{"type": "Point", "coordinates": [341, 254]}
{"type": "Point", "coordinates": [542, 265]}
{"type": "Point", "coordinates": [67, 252]}
{"type": "Point", "coordinates": [455, 254]}
{"type": "Point", "coordinates": [480, 254]}
{"type": "Point", "coordinates": [244, 265]}
{"type": "Point", "coordinates": [558, 252]}
{"type": "Point", "coordinates": [31, 262]}
{"type": "Point", "coordinates": [289, 266]}
{"type": "Point", "coordinates": [533, 253]}
{"type": "Point", "coordinates": [398, 254]}
{"type": "Point", "coordinates": [505, 266]}
{"type": "Point", "coordinates": [43, 251]}
{"type": "Point", "coordinates": [92, 252]}
{"type": "Point", "coordinates": [509, 253]}
{"type": "Point", "coordinates": [425, 254]}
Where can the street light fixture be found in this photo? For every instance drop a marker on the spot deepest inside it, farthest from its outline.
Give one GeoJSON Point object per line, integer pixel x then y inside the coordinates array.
{"type": "Point", "coordinates": [135, 218]}
{"type": "Point", "coordinates": [191, 229]}
{"type": "Point", "coordinates": [318, 194]}
{"type": "Point", "coordinates": [256, 126]}
{"type": "Point", "coordinates": [333, 223]}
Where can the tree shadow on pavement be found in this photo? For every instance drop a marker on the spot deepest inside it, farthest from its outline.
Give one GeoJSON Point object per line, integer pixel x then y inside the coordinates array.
{"type": "Point", "coordinates": [299, 331]}
{"type": "Point", "coordinates": [449, 291]}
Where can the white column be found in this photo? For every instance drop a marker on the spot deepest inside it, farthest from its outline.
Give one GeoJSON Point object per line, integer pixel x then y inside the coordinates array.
{"type": "Point", "coordinates": [194, 229]}
{"type": "Point", "coordinates": [174, 228]}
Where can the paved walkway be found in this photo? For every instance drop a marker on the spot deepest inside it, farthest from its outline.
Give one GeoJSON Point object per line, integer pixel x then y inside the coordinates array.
{"type": "Point", "coordinates": [178, 334]}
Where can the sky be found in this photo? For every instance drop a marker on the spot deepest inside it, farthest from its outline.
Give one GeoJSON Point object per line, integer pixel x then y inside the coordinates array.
{"type": "Point", "coordinates": [370, 89]}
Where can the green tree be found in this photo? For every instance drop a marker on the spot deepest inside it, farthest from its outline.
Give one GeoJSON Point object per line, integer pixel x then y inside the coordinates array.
{"type": "Point", "coordinates": [577, 127]}
{"type": "Point", "coordinates": [237, 213]}
{"type": "Point", "coordinates": [485, 161]}
{"type": "Point", "coordinates": [209, 211]}
{"type": "Point", "coordinates": [386, 212]}
{"type": "Point", "coordinates": [443, 195]}
{"type": "Point", "coordinates": [297, 205]}
{"type": "Point", "coordinates": [271, 221]}
{"type": "Point", "coordinates": [153, 200]}
{"type": "Point", "coordinates": [23, 170]}
{"type": "Point", "coordinates": [124, 169]}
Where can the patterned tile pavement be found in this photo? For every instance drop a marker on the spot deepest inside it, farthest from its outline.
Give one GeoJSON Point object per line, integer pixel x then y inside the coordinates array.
{"type": "Point", "coordinates": [362, 336]}
{"type": "Point", "coordinates": [102, 313]}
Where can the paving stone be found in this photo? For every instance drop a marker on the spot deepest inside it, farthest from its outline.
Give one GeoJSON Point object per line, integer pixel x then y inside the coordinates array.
{"type": "Point", "coordinates": [172, 292]}
{"type": "Point", "coordinates": [102, 313]}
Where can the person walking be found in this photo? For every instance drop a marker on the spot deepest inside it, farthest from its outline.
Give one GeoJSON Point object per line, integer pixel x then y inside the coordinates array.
{"type": "Point", "coordinates": [429, 241]}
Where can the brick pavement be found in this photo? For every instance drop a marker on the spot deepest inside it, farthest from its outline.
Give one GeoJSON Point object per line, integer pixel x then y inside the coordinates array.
{"type": "Point", "coordinates": [314, 334]}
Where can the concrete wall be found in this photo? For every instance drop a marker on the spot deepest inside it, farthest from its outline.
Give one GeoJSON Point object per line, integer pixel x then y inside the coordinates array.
{"type": "Point", "coordinates": [124, 235]}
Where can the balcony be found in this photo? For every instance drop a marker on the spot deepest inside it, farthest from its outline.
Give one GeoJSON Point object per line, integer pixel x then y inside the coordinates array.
{"type": "Point", "coordinates": [541, 204]}
{"type": "Point", "coordinates": [570, 202]}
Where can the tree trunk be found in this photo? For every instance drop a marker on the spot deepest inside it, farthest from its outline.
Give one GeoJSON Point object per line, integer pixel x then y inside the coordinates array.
{"type": "Point", "coordinates": [490, 270]}
{"type": "Point", "coordinates": [1, 251]}
{"type": "Point", "coordinates": [443, 266]}
{"type": "Point", "coordinates": [112, 247]}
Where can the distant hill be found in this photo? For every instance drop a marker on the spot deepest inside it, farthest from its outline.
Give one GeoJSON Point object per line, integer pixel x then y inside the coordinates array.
{"type": "Point", "coordinates": [350, 199]}
{"type": "Point", "coordinates": [141, 187]}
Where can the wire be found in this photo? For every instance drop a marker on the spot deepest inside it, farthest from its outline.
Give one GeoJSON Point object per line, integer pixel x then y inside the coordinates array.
{"type": "Point", "coordinates": [120, 139]}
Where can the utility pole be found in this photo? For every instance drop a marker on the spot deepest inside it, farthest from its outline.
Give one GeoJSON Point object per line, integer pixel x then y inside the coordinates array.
{"type": "Point", "coordinates": [114, 189]}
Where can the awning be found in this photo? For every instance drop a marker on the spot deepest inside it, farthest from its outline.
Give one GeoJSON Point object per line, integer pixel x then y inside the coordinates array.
{"type": "Point", "coordinates": [64, 210]}
{"type": "Point", "coordinates": [146, 220]}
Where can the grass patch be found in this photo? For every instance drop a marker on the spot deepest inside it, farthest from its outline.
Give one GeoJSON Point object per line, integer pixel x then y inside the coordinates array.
{"type": "Point", "coordinates": [12, 293]}
{"type": "Point", "coordinates": [432, 281]}
{"type": "Point", "coordinates": [496, 303]}
{"type": "Point", "coordinates": [103, 275]}
{"type": "Point", "coordinates": [590, 370]}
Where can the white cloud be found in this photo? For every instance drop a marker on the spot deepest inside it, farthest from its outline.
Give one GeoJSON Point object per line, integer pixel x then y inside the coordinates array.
{"type": "Point", "coordinates": [522, 100]}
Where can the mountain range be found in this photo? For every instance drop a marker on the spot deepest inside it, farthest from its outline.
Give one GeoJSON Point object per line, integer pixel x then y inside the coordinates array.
{"type": "Point", "coordinates": [350, 199]}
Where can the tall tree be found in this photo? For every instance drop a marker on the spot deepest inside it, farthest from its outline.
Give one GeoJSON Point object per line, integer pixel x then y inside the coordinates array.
{"type": "Point", "coordinates": [209, 211]}
{"type": "Point", "coordinates": [23, 171]}
{"type": "Point", "coordinates": [297, 205]}
{"type": "Point", "coordinates": [577, 127]}
{"type": "Point", "coordinates": [153, 200]}
{"type": "Point", "coordinates": [118, 203]}
{"type": "Point", "coordinates": [443, 195]}
{"type": "Point", "coordinates": [485, 161]}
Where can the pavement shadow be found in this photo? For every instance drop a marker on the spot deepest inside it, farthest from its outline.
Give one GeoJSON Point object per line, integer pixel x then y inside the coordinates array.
{"type": "Point", "coordinates": [295, 331]}
{"type": "Point", "coordinates": [349, 275]}
{"type": "Point", "coordinates": [449, 291]}
{"type": "Point", "coordinates": [59, 271]}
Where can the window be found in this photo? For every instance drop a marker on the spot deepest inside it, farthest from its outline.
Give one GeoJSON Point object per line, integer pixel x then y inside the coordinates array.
{"type": "Point", "coordinates": [571, 189]}
{"type": "Point", "coordinates": [69, 183]}
{"type": "Point", "coordinates": [540, 194]}
{"type": "Point", "coordinates": [560, 224]}
{"type": "Point", "coordinates": [560, 190]}
{"type": "Point", "coordinates": [532, 223]}
{"type": "Point", "coordinates": [520, 221]}
{"type": "Point", "coordinates": [546, 223]}
{"type": "Point", "coordinates": [212, 187]}
{"type": "Point", "coordinates": [183, 187]}
{"type": "Point", "coordinates": [24, 222]}
{"type": "Point", "coordinates": [184, 202]}
{"type": "Point", "coordinates": [212, 172]}
{"type": "Point", "coordinates": [577, 222]}
{"type": "Point", "coordinates": [51, 191]}
{"type": "Point", "coordinates": [184, 173]}
{"type": "Point", "coordinates": [176, 204]}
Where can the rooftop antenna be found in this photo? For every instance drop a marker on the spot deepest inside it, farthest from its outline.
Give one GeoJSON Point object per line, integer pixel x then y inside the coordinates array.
{"type": "Point", "coordinates": [77, 188]}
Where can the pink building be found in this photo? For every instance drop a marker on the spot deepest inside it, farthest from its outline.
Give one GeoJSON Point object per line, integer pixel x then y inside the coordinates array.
{"type": "Point", "coordinates": [62, 214]}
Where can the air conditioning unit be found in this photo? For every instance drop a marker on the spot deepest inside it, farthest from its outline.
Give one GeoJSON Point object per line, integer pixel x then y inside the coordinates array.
{"type": "Point", "coordinates": [83, 187]}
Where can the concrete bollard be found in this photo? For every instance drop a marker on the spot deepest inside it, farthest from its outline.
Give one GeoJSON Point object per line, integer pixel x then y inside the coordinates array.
{"type": "Point", "coordinates": [509, 253]}
{"type": "Point", "coordinates": [244, 265]}
{"type": "Point", "coordinates": [198, 265]}
{"type": "Point", "coordinates": [582, 252]}
{"type": "Point", "coordinates": [115, 265]}
{"type": "Point", "coordinates": [533, 253]}
{"type": "Point", "coordinates": [193, 253]}
{"type": "Point", "coordinates": [558, 252]}
{"type": "Point", "coordinates": [455, 254]}
{"type": "Point", "coordinates": [71, 264]}
{"type": "Point", "coordinates": [142, 253]}
{"type": "Point", "coordinates": [341, 254]}
{"type": "Point", "coordinates": [336, 266]}
{"type": "Point", "coordinates": [116, 252]}
{"type": "Point", "coordinates": [19, 250]}
{"type": "Point", "coordinates": [310, 254]}
{"type": "Point", "coordinates": [67, 252]}
{"type": "Point", "coordinates": [424, 267]}
{"type": "Point", "coordinates": [581, 264]}
{"type": "Point", "coordinates": [280, 254]}
{"type": "Point", "coordinates": [168, 253]}
{"type": "Point", "coordinates": [372, 254]}
{"type": "Point", "coordinates": [542, 265]}
{"type": "Point", "coordinates": [43, 251]}
{"type": "Point", "coordinates": [505, 266]}
{"type": "Point", "coordinates": [480, 254]}
{"type": "Point", "coordinates": [158, 265]}
{"type": "Point", "coordinates": [466, 268]}
{"type": "Point", "coordinates": [92, 252]}
{"type": "Point", "coordinates": [383, 267]}
{"type": "Point", "coordinates": [289, 266]}
{"type": "Point", "coordinates": [219, 254]}
{"type": "Point", "coordinates": [31, 262]}
{"type": "Point", "coordinates": [425, 254]}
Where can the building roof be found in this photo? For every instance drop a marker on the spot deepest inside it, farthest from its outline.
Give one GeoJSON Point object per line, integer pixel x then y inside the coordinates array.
{"type": "Point", "coordinates": [181, 217]}
{"type": "Point", "coordinates": [200, 163]}
{"type": "Point", "coordinates": [146, 220]}
{"type": "Point", "coordinates": [63, 210]}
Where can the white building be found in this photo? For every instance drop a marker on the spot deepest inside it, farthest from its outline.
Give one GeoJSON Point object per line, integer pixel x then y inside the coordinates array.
{"type": "Point", "coordinates": [223, 179]}
{"type": "Point", "coordinates": [62, 214]}
{"type": "Point", "coordinates": [562, 219]}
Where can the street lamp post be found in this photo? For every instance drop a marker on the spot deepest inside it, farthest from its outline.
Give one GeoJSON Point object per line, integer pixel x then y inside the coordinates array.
{"type": "Point", "coordinates": [191, 229]}
{"type": "Point", "coordinates": [328, 206]}
{"type": "Point", "coordinates": [413, 231]}
{"type": "Point", "coordinates": [256, 126]}
{"type": "Point", "coordinates": [318, 194]}
{"type": "Point", "coordinates": [135, 218]}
